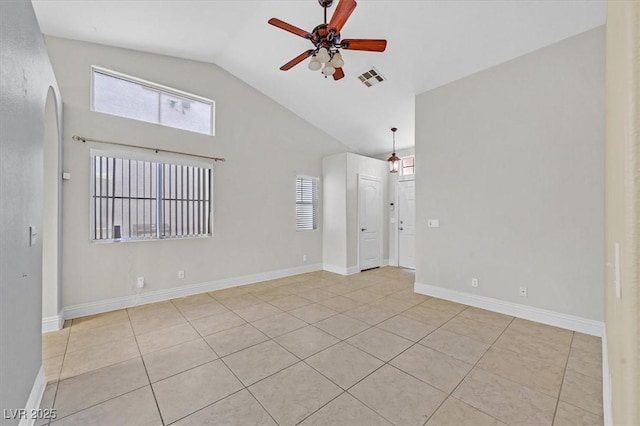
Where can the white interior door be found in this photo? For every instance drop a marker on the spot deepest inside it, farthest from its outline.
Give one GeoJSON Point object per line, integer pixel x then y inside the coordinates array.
{"type": "Point", "coordinates": [369, 222]}
{"type": "Point", "coordinates": [407, 223]}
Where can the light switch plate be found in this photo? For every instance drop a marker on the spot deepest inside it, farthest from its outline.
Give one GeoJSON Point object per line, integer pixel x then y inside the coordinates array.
{"type": "Point", "coordinates": [433, 223]}
{"type": "Point", "coordinates": [616, 270]}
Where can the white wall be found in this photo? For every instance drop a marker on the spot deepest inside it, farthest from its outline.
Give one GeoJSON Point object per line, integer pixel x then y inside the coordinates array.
{"type": "Point", "coordinates": [254, 191]}
{"type": "Point", "coordinates": [622, 213]}
{"type": "Point", "coordinates": [26, 78]}
{"type": "Point", "coordinates": [340, 182]}
{"type": "Point", "coordinates": [511, 162]}
{"type": "Point", "coordinates": [360, 165]}
{"type": "Point", "coordinates": [334, 227]}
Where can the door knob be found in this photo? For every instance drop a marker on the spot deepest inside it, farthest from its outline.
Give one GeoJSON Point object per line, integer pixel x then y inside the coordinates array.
{"type": "Point", "coordinates": [401, 228]}
{"type": "Point", "coordinates": [363, 229]}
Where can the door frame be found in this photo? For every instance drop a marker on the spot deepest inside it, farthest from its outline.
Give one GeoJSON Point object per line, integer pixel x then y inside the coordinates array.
{"type": "Point", "coordinates": [396, 233]}
{"type": "Point", "coordinates": [380, 221]}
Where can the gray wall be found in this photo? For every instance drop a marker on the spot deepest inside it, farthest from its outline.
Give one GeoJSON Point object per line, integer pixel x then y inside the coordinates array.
{"type": "Point", "coordinates": [26, 78]}
{"type": "Point", "coordinates": [265, 145]}
{"type": "Point", "coordinates": [511, 161]}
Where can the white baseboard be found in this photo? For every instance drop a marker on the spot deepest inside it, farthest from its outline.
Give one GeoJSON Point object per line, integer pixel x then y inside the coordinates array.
{"type": "Point", "coordinates": [557, 319]}
{"type": "Point", "coordinates": [92, 308]}
{"type": "Point", "coordinates": [606, 383]}
{"type": "Point", "coordinates": [35, 397]}
{"type": "Point", "coordinates": [340, 270]}
{"type": "Point", "coordinates": [53, 323]}
{"type": "Point", "coordinates": [349, 270]}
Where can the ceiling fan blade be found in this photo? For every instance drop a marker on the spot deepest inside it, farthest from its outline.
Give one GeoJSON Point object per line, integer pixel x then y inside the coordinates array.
{"type": "Point", "coordinates": [295, 61]}
{"type": "Point", "coordinates": [338, 74]}
{"type": "Point", "coordinates": [344, 9]}
{"type": "Point", "coordinates": [364, 44]}
{"type": "Point", "coordinates": [290, 28]}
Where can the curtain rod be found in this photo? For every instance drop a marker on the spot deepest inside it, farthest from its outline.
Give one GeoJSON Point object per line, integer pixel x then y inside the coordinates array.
{"type": "Point", "coordinates": [84, 140]}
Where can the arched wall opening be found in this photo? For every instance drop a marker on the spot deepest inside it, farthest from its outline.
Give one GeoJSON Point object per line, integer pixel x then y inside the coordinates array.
{"type": "Point", "coordinates": [51, 215]}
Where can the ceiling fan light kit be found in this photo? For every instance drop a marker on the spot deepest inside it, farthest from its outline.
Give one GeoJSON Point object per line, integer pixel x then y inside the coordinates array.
{"type": "Point", "coordinates": [327, 41]}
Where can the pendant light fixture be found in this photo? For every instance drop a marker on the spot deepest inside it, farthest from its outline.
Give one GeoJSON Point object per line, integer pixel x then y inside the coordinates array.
{"type": "Point", "coordinates": [394, 161]}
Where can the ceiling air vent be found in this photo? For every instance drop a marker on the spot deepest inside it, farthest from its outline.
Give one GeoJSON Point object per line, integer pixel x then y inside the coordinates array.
{"type": "Point", "coordinates": [371, 78]}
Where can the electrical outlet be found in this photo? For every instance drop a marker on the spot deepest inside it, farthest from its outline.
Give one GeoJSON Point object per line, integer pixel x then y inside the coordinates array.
{"type": "Point", "coordinates": [474, 282]}
{"type": "Point", "coordinates": [523, 292]}
{"type": "Point", "coordinates": [180, 274]}
{"type": "Point", "coordinates": [304, 257]}
{"type": "Point", "coordinates": [140, 282]}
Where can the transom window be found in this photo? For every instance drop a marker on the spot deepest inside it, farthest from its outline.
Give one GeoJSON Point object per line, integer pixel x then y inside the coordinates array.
{"type": "Point", "coordinates": [408, 166]}
{"type": "Point", "coordinates": [125, 96]}
{"type": "Point", "coordinates": [142, 199]}
{"type": "Point", "coordinates": [306, 203]}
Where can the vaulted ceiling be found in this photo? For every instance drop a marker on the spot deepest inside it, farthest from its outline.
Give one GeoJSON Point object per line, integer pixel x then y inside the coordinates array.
{"type": "Point", "coordinates": [430, 43]}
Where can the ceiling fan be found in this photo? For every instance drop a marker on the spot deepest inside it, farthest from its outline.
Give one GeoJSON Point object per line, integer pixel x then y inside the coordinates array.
{"type": "Point", "coordinates": [327, 41]}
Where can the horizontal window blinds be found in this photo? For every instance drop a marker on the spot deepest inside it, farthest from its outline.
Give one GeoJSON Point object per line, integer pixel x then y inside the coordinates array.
{"type": "Point", "coordinates": [306, 203]}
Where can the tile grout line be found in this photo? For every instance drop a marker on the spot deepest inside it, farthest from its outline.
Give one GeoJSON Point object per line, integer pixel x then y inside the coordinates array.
{"type": "Point", "coordinates": [343, 391]}
{"type": "Point", "coordinates": [469, 372]}
{"type": "Point", "coordinates": [363, 378]}
{"type": "Point", "coordinates": [106, 400]}
{"type": "Point", "coordinates": [245, 387]}
{"type": "Point", "coordinates": [388, 363]}
{"type": "Point", "coordinates": [564, 372]}
{"type": "Point", "coordinates": [409, 347]}
{"type": "Point", "coordinates": [286, 288]}
{"type": "Point", "coordinates": [187, 321]}
{"type": "Point", "coordinates": [57, 382]}
{"type": "Point", "coordinates": [145, 369]}
{"type": "Point", "coordinates": [303, 359]}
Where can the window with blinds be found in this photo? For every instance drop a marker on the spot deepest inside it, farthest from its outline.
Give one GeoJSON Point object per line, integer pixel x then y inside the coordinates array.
{"type": "Point", "coordinates": [306, 203]}
{"type": "Point", "coordinates": [133, 199]}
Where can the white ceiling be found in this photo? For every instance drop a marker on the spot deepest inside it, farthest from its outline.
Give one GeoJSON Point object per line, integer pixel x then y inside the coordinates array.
{"type": "Point", "coordinates": [430, 43]}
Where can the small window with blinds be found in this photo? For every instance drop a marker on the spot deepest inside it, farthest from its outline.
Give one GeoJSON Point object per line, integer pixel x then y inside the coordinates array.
{"type": "Point", "coordinates": [140, 199]}
{"type": "Point", "coordinates": [306, 203]}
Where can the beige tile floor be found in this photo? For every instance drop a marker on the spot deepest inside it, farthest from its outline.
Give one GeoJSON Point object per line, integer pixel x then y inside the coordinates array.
{"type": "Point", "coordinates": [320, 349]}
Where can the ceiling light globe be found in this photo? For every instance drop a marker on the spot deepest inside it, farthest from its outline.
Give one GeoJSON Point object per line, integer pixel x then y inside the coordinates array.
{"type": "Point", "coordinates": [314, 65]}
{"type": "Point", "coordinates": [328, 70]}
{"type": "Point", "coordinates": [323, 55]}
{"type": "Point", "coordinates": [336, 62]}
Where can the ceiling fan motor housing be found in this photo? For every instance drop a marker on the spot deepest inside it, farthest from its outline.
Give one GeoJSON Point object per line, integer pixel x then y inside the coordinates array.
{"type": "Point", "coordinates": [322, 37]}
